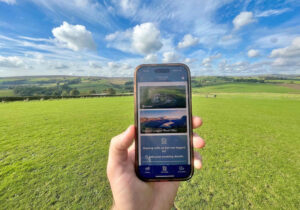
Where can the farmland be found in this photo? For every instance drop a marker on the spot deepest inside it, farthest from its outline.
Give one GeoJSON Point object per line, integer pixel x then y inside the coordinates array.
{"type": "Point", "coordinates": [247, 88]}
{"type": "Point", "coordinates": [74, 86]}
{"type": "Point", "coordinates": [62, 85]}
{"type": "Point", "coordinates": [53, 153]}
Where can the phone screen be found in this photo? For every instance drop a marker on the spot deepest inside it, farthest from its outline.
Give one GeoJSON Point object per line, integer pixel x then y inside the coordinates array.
{"type": "Point", "coordinates": [163, 122]}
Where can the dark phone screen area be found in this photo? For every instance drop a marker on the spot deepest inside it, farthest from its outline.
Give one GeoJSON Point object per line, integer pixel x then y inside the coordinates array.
{"type": "Point", "coordinates": [163, 123]}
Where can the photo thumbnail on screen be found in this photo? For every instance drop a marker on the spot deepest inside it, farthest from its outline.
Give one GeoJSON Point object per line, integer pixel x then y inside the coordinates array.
{"type": "Point", "coordinates": [163, 121]}
{"type": "Point", "coordinates": [160, 97]}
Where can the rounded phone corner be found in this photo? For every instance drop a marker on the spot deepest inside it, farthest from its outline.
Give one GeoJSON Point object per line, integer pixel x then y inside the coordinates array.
{"type": "Point", "coordinates": [138, 68]}
{"type": "Point", "coordinates": [190, 176]}
{"type": "Point", "coordinates": [187, 68]}
{"type": "Point", "coordinates": [138, 175]}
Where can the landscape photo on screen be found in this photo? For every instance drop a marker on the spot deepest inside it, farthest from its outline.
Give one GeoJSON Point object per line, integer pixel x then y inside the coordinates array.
{"type": "Point", "coordinates": [152, 97]}
{"type": "Point", "coordinates": [163, 121]}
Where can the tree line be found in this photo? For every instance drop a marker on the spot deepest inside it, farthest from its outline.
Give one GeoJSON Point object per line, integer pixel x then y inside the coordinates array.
{"type": "Point", "coordinates": [208, 81]}
{"type": "Point", "coordinates": [58, 90]}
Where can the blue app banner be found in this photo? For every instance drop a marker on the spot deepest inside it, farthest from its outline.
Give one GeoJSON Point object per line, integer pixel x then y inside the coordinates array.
{"type": "Point", "coordinates": [164, 150]}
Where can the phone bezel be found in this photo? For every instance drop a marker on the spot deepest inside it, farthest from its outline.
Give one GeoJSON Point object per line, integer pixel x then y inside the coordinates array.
{"type": "Point", "coordinates": [189, 123]}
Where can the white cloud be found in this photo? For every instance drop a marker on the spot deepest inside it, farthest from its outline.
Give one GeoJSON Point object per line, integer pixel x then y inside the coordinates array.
{"type": "Point", "coordinates": [9, 1]}
{"type": "Point", "coordinates": [142, 39]}
{"type": "Point", "coordinates": [151, 58]}
{"type": "Point", "coordinates": [127, 7]}
{"type": "Point", "coordinates": [188, 41]}
{"type": "Point", "coordinates": [209, 33]}
{"type": "Point", "coordinates": [253, 53]}
{"type": "Point", "coordinates": [287, 56]}
{"type": "Point", "coordinates": [146, 38]}
{"type": "Point", "coordinates": [177, 15]}
{"type": "Point", "coordinates": [225, 67]}
{"type": "Point", "coordinates": [275, 40]}
{"type": "Point", "coordinates": [290, 51]}
{"type": "Point", "coordinates": [61, 65]}
{"type": "Point", "coordinates": [126, 66]}
{"type": "Point", "coordinates": [36, 55]}
{"type": "Point", "coordinates": [198, 54]}
{"type": "Point", "coordinates": [208, 60]}
{"type": "Point", "coordinates": [228, 40]}
{"type": "Point", "coordinates": [120, 68]}
{"type": "Point", "coordinates": [43, 57]}
{"type": "Point", "coordinates": [11, 62]}
{"type": "Point", "coordinates": [196, 17]}
{"type": "Point", "coordinates": [113, 36]}
{"type": "Point", "coordinates": [170, 57]}
{"type": "Point", "coordinates": [87, 10]}
{"type": "Point", "coordinates": [95, 65]}
{"type": "Point", "coordinates": [113, 65]}
{"type": "Point", "coordinates": [120, 40]}
{"type": "Point", "coordinates": [189, 60]}
{"type": "Point", "coordinates": [240, 66]}
{"type": "Point", "coordinates": [167, 44]}
{"type": "Point", "coordinates": [271, 12]}
{"type": "Point", "coordinates": [244, 18]}
{"type": "Point", "coordinates": [74, 37]}
{"type": "Point", "coordinates": [34, 39]}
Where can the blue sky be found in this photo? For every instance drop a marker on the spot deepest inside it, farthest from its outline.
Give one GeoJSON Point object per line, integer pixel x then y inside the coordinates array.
{"type": "Point", "coordinates": [110, 38]}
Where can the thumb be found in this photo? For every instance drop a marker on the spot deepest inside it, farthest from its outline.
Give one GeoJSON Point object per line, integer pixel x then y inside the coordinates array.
{"type": "Point", "coordinates": [119, 144]}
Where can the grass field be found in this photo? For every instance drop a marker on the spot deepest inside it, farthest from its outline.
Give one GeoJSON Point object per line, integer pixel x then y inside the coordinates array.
{"type": "Point", "coordinates": [209, 84]}
{"type": "Point", "coordinates": [84, 85]}
{"type": "Point", "coordinates": [246, 88]}
{"type": "Point", "coordinates": [6, 92]}
{"type": "Point", "coordinates": [53, 153]}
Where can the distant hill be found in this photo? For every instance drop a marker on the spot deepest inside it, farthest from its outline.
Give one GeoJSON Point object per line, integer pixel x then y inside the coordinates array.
{"type": "Point", "coordinates": [84, 85]}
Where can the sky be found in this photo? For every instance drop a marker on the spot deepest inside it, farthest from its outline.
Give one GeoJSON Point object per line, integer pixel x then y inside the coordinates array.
{"type": "Point", "coordinates": [111, 38]}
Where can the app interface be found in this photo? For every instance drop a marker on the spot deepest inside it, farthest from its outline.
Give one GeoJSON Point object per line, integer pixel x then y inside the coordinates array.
{"type": "Point", "coordinates": [163, 129]}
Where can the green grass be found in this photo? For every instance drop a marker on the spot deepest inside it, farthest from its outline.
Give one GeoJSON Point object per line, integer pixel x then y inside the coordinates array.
{"type": "Point", "coordinates": [246, 88]}
{"type": "Point", "coordinates": [251, 159]}
{"type": "Point", "coordinates": [6, 92]}
{"type": "Point", "coordinates": [287, 81]}
{"type": "Point", "coordinates": [87, 83]}
{"type": "Point", "coordinates": [53, 153]}
{"type": "Point", "coordinates": [86, 86]}
{"type": "Point", "coordinates": [211, 84]}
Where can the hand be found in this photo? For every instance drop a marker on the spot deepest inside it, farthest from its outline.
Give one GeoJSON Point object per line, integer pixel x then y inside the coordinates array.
{"type": "Point", "coordinates": [129, 192]}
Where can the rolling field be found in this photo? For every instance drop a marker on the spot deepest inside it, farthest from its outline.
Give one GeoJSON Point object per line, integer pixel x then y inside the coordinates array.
{"type": "Point", "coordinates": [247, 88]}
{"type": "Point", "coordinates": [53, 153]}
{"type": "Point", "coordinates": [83, 84]}
{"type": "Point", "coordinates": [6, 93]}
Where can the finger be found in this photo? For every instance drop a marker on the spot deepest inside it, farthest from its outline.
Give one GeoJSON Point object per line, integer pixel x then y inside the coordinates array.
{"type": "Point", "coordinates": [120, 144]}
{"type": "Point", "coordinates": [197, 160]}
{"type": "Point", "coordinates": [198, 142]}
{"type": "Point", "coordinates": [197, 122]}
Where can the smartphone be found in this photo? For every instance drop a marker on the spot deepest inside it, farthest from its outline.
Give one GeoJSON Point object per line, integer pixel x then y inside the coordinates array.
{"type": "Point", "coordinates": [163, 122]}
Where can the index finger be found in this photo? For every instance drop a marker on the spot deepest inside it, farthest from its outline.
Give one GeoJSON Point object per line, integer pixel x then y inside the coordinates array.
{"type": "Point", "coordinates": [197, 122]}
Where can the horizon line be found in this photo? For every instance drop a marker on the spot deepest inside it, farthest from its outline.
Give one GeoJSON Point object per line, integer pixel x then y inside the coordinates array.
{"type": "Point", "coordinates": [250, 75]}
